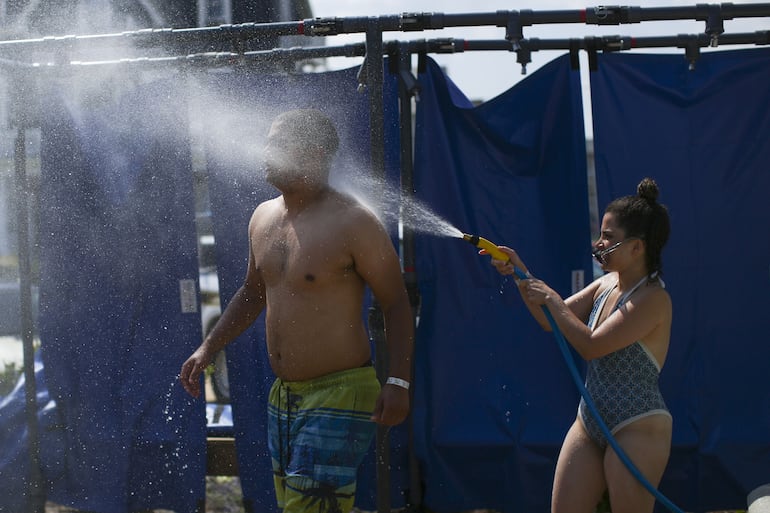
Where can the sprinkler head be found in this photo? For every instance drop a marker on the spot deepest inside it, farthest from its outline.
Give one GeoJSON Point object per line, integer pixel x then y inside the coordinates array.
{"type": "Point", "coordinates": [482, 243]}
{"type": "Point", "coordinates": [494, 252]}
{"type": "Point", "coordinates": [473, 239]}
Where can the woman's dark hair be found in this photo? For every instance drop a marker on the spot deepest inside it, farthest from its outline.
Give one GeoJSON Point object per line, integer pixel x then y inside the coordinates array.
{"type": "Point", "coordinates": [643, 217]}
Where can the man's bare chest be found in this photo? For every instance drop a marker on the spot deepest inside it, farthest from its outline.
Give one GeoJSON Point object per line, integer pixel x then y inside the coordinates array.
{"type": "Point", "coordinates": [300, 255]}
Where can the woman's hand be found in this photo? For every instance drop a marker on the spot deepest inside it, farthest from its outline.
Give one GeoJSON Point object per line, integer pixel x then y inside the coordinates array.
{"type": "Point", "coordinates": [506, 267]}
{"type": "Point", "coordinates": [536, 291]}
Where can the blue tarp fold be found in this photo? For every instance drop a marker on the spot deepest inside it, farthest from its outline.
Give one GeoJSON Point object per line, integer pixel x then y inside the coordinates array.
{"type": "Point", "coordinates": [494, 398]}
{"type": "Point", "coordinates": [119, 309]}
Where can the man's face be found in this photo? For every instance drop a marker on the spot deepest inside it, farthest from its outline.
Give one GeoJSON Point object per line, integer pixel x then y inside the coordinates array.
{"type": "Point", "coordinates": [283, 155]}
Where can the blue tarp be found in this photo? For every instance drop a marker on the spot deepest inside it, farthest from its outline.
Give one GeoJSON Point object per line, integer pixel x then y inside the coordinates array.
{"type": "Point", "coordinates": [703, 135]}
{"type": "Point", "coordinates": [494, 398]}
{"type": "Point", "coordinates": [118, 302]}
{"type": "Point", "coordinates": [236, 187]}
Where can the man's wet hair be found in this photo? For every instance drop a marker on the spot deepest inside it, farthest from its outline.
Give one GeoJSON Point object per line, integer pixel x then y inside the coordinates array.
{"type": "Point", "coordinates": [312, 128]}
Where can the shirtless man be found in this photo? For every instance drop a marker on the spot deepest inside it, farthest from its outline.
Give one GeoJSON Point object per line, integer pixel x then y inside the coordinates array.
{"type": "Point", "coordinates": [312, 253]}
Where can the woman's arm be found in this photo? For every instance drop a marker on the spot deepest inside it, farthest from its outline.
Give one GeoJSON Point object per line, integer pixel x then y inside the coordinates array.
{"type": "Point", "coordinates": [631, 322]}
{"type": "Point", "coordinates": [579, 304]}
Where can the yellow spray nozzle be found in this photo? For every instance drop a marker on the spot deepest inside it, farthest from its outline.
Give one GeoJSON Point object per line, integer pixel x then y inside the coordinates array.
{"type": "Point", "coordinates": [482, 243]}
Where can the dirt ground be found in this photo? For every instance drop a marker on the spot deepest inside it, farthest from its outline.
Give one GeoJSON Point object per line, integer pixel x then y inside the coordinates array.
{"type": "Point", "coordinates": [223, 495]}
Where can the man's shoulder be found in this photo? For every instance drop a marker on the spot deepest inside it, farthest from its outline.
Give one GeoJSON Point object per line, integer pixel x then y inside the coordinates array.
{"type": "Point", "coordinates": [361, 216]}
{"type": "Point", "coordinates": [268, 206]}
{"type": "Point", "coordinates": [349, 207]}
{"type": "Point", "coordinates": [265, 211]}
{"type": "Point", "coordinates": [271, 203]}
{"type": "Point", "coordinates": [353, 203]}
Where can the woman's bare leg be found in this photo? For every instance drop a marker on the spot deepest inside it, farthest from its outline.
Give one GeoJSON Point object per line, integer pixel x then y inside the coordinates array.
{"type": "Point", "coordinates": [647, 442]}
{"type": "Point", "coordinates": [578, 483]}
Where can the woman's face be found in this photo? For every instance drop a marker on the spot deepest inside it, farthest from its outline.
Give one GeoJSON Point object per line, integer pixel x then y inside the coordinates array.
{"type": "Point", "coordinates": [609, 247]}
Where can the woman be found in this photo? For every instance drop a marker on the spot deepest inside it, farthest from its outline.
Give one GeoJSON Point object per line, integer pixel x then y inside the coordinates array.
{"type": "Point", "coordinates": [620, 324]}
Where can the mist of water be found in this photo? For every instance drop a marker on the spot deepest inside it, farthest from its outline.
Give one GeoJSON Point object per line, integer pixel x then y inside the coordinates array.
{"type": "Point", "coordinates": [232, 130]}
{"type": "Point", "coordinates": [235, 135]}
{"type": "Point", "coordinates": [391, 206]}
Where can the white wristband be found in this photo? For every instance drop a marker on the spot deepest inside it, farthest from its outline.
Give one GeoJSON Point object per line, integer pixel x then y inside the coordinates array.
{"type": "Point", "coordinates": [398, 382]}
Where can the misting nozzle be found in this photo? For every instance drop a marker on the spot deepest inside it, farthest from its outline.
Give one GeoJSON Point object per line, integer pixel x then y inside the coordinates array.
{"type": "Point", "coordinates": [491, 248]}
{"type": "Point", "coordinates": [494, 252]}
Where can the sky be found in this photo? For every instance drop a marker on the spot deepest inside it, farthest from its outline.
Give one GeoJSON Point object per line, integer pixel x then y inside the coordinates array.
{"type": "Point", "coordinates": [484, 75]}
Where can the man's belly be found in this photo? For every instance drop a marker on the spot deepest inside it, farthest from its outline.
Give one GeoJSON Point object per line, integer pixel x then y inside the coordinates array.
{"type": "Point", "coordinates": [312, 351]}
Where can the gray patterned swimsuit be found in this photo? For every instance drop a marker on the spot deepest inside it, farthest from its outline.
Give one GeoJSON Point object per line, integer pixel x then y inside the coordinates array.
{"type": "Point", "coordinates": [623, 384]}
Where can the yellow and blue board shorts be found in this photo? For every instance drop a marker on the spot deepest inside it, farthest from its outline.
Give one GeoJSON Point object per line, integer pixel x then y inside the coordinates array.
{"type": "Point", "coordinates": [318, 434]}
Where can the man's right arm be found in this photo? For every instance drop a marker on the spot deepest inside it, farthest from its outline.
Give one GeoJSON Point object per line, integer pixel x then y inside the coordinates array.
{"type": "Point", "coordinates": [242, 310]}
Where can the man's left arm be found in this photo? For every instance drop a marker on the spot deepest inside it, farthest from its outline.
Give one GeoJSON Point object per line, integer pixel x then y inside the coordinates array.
{"type": "Point", "coordinates": [378, 264]}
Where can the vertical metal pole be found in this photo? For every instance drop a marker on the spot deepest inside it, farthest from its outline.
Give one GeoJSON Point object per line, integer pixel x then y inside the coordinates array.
{"type": "Point", "coordinates": [410, 276]}
{"type": "Point", "coordinates": [36, 487]}
{"type": "Point", "coordinates": [382, 446]}
{"type": "Point", "coordinates": [374, 86]}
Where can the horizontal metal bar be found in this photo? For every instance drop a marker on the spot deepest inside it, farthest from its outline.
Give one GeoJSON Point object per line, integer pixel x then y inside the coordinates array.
{"type": "Point", "coordinates": [434, 46]}
{"type": "Point", "coordinates": [603, 43]}
{"type": "Point", "coordinates": [405, 22]}
{"type": "Point", "coordinates": [215, 59]}
{"type": "Point", "coordinates": [161, 36]}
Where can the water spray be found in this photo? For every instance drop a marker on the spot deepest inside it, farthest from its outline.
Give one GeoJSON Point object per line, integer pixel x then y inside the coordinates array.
{"type": "Point", "coordinates": [492, 249]}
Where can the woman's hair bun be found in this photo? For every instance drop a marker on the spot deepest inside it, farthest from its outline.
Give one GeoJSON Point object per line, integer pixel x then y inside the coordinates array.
{"type": "Point", "coordinates": [647, 190]}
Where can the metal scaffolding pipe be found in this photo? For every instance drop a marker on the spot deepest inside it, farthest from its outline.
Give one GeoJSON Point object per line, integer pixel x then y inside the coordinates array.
{"type": "Point", "coordinates": [408, 87]}
{"type": "Point", "coordinates": [162, 36]}
{"type": "Point", "coordinates": [371, 79]}
{"type": "Point", "coordinates": [513, 21]}
{"type": "Point", "coordinates": [35, 485]}
{"type": "Point", "coordinates": [611, 43]}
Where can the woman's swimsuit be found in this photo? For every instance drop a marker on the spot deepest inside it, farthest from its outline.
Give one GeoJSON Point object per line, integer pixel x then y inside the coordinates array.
{"type": "Point", "coordinates": [622, 384]}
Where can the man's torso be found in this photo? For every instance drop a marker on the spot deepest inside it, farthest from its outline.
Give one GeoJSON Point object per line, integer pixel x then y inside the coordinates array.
{"type": "Point", "coordinates": [314, 295]}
